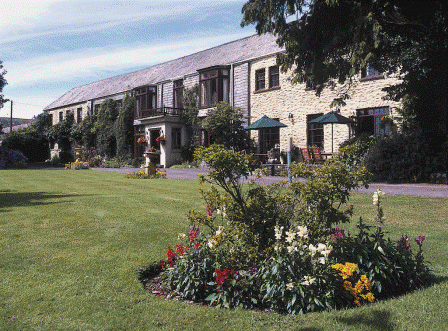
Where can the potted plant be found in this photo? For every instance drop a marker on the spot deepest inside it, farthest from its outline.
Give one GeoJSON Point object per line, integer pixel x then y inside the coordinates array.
{"type": "Point", "coordinates": [161, 139]}
{"type": "Point", "coordinates": [141, 140]}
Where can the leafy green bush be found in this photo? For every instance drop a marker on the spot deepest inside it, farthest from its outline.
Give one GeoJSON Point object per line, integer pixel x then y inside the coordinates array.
{"type": "Point", "coordinates": [403, 158]}
{"type": "Point", "coordinates": [352, 151]}
{"type": "Point", "coordinates": [10, 158]}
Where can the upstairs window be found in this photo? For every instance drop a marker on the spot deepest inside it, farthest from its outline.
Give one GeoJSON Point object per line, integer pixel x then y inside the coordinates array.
{"type": "Point", "coordinates": [369, 72]}
{"type": "Point", "coordinates": [61, 116]}
{"type": "Point", "coordinates": [119, 104]}
{"type": "Point", "coordinates": [274, 77]}
{"type": "Point", "coordinates": [145, 98]}
{"type": "Point", "coordinates": [260, 80]}
{"type": "Point", "coordinates": [214, 87]}
{"type": "Point", "coordinates": [79, 115]}
{"type": "Point", "coordinates": [178, 93]}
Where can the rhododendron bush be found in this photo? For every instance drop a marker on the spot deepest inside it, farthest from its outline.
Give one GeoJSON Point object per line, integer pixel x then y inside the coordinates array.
{"type": "Point", "coordinates": [280, 246]}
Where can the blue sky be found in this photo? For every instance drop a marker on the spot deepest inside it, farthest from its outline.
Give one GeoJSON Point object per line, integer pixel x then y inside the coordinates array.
{"type": "Point", "coordinates": [51, 46]}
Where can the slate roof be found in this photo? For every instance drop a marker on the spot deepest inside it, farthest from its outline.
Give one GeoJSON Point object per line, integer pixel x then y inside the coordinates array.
{"type": "Point", "coordinates": [232, 52]}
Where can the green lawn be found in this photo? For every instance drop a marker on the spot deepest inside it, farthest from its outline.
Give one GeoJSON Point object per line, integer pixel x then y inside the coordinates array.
{"type": "Point", "coordinates": [72, 242]}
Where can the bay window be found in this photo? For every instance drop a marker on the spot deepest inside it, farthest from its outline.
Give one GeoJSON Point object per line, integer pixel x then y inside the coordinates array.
{"type": "Point", "coordinates": [178, 93]}
{"type": "Point", "coordinates": [214, 86]}
{"type": "Point", "coordinates": [145, 99]}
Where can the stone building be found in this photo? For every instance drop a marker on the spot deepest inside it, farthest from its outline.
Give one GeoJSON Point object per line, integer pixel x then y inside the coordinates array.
{"type": "Point", "coordinates": [242, 73]}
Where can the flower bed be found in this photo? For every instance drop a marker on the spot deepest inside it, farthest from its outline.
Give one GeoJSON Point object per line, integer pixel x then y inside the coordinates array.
{"type": "Point", "coordinates": [142, 175]}
{"type": "Point", "coordinates": [277, 247]}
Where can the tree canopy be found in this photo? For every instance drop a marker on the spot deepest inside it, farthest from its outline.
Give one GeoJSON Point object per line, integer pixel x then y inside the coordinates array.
{"type": "Point", "coordinates": [3, 82]}
{"type": "Point", "coordinates": [330, 41]}
{"type": "Point", "coordinates": [225, 125]}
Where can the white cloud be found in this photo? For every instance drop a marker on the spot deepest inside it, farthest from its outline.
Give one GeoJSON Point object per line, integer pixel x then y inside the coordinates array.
{"type": "Point", "coordinates": [58, 17]}
{"type": "Point", "coordinates": [68, 66]}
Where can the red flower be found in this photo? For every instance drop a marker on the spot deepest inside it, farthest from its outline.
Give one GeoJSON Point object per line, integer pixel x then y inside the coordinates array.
{"type": "Point", "coordinates": [193, 233]}
{"type": "Point", "coordinates": [419, 240]}
{"type": "Point", "coordinates": [161, 264]}
{"type": "Point", "coordinates": [223, 275]}
{"type": "Point", "coordinates": [197, 245]}
{"type": "Point", "coordinates": [209, 211]}
{"type": "Point", "coordinates": [170, 255]}
{"type": "Point", "coordinates": [179, 249]}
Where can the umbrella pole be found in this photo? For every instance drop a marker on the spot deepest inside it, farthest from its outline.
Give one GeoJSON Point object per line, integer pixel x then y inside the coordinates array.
{"type": "Point", "coordinates": [332, 141]}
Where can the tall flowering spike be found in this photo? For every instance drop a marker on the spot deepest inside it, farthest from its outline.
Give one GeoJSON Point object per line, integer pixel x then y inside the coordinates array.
{"type": "Point", "coordinates": [193, 233]}
{"type": "Point", "coordinates": [403, 244]}
{"type": "Point", "coordinates": [377, 195]}
{"type": "Point", "coordinates": [419, 240]}
{"type": "Point", "coordinates": [209, 210]}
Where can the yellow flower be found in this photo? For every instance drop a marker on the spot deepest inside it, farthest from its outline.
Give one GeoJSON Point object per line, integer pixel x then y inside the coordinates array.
{"type": "Point", "coordinates": [370, 297]}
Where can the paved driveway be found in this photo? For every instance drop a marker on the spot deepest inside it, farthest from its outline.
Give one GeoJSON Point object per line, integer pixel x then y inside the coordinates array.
{"type": "Point", "coordinates": [424, 190]}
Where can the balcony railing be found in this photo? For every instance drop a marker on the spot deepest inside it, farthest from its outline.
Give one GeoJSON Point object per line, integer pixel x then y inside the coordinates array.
{"type": "Point", "coordinates": [163, 111]}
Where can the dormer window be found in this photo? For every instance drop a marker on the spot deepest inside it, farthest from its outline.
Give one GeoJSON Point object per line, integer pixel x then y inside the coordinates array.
{"type": "Point", "coordinates": [214, 86]}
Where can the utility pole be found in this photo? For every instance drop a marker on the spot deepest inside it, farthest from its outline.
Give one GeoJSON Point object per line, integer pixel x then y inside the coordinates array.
{"type": "Point", "coordinates": [10, 122]}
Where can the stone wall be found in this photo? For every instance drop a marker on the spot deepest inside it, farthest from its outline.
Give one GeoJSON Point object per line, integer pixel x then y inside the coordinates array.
{"type": "Point", "coordinates": [65, 110]}
{"type": "Point", "coordinates": [291, 103]}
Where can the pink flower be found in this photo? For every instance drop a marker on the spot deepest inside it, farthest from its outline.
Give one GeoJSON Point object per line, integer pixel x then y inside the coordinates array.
{"type": "Point", "coordinates": [403, 244]}
{"type": "Point", "coordinates": [209, 210]}
{"type": "Point", "coordinates": [419, 240]}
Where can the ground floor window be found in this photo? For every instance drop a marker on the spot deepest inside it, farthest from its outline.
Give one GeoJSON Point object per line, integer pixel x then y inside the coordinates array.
{"type": "Point", "coordinates": [176, 138]}
{"type": "Point", "coordinates": [268, 139]}
{"type": "Point", "coordinates": [370, 121]}
{"type": "Point", "coordinates": [315, 131]}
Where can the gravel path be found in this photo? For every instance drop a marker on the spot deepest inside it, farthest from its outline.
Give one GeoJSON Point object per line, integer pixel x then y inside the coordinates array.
{"type": "Point", "coordinates": [424, 190]}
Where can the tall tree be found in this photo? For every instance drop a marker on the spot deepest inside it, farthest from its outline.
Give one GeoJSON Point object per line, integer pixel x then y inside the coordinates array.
{"type": "Point", "coordinates": [3, 82]}
{"type": "Point", "coordinates": [105, 134]}
{"type": "Point", "coordinates": [225, 127]}
{"type": "Point", "coordinates": [330, 41]}
{"type": "Point", "coordinates": [124, 129]}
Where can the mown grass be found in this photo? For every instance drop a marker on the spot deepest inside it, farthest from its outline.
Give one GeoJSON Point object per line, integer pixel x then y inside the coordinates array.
{"type": "Point", "coordinates": [72, 242]}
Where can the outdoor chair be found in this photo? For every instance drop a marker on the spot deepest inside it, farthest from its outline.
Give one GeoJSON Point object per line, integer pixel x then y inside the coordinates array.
{"type": "Point", "coordinates": [306, 155]}
{"type": "Point", "coordinates": [317, 156]}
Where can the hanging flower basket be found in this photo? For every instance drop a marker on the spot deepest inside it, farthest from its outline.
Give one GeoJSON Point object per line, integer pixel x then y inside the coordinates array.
{"type": "Point", "coordinates": [160, 139]}
{"type": "Point", "coordinates": [142, 140]}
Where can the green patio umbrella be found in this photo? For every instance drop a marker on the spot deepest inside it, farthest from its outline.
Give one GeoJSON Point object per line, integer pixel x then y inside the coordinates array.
{"type": "Point", "coordinates": [331, 118]}
{"type": "Point", "coordinates": [265, 123]}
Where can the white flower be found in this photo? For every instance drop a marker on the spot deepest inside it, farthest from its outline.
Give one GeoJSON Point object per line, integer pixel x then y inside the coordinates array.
{"type": "Point", "coordinates": [277, 248]}
{"type": "Point", "coordinates": [321, 260]}
{"type": "Point", "coordinates": [327, 251]}
{"type": "Point", "coordinates": [321, 247]}
{"type": "Point", "coordinates": [308, 280]}
{"type": "Point", "coordinates": [219, 231]}
{"type": "Point", "coordinates": [181, 236]}
{"type": "Point", "coordinates": [303, 232]}
{"type": "Point", "coordinates": [377, 196]}
{"type": "Point", "coordinates": [289, 286]}
{"type": "Point", "coordinates": [312, 249]}
{"type": "Point", "coordinates": [211, 244]}
{"type": "Point", "coordinates": [278, 232]}
{"type": "Point", "coordinates": [290, 236]}
{"type": "Point", "coordinates": [291, 249]}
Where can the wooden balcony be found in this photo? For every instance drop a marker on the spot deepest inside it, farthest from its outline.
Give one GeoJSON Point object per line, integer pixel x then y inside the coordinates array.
{"type": "Point", "coordinates": [163, 111]}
